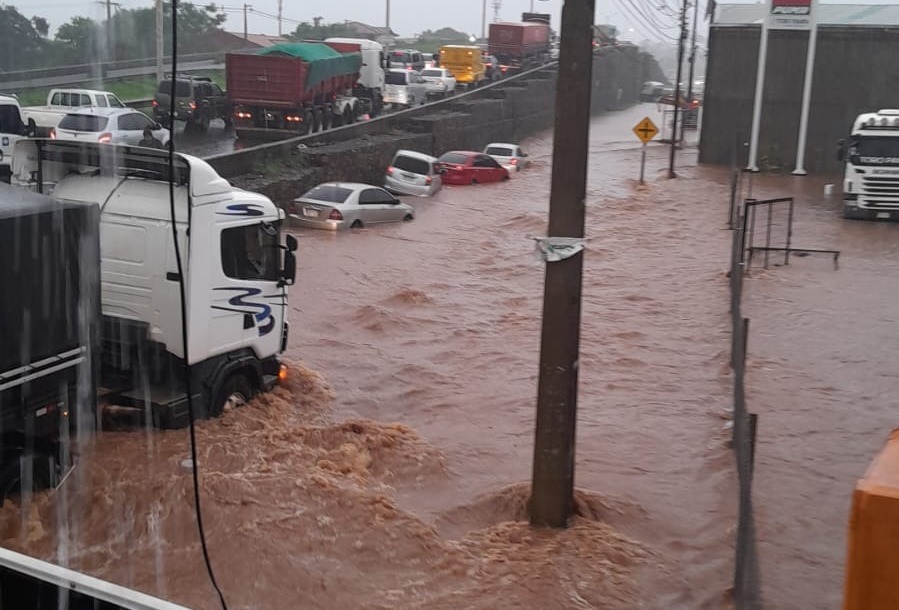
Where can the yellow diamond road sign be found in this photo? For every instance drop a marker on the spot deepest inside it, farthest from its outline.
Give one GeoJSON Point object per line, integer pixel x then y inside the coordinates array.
{"type": "Point", "coordinates": [646, 130]}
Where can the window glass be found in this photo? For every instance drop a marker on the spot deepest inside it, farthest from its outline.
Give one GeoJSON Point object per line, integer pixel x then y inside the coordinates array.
{"type": "Point", "coordinates": [101, 101]}
{"type": "Point", "coordinates": [182, 88]}
{"type": "Point", "coordinates": [369, 196]}
{"type": "Point", "coordinates": [251, 252]}
{"type": "Point", "coordinates": [329, 193]}
{"type": "Point", "coordinates": [126, 122]}
{"type": "Point", "coordinates": [457, 158]}
{"type": "Point", "coordinates": [395, 78]}
{"type": "Point", "coordinates": [83, 122]}
{"type": "Point", "coordinates": [115, 102]}
{"type": "Point", "coordinates": [500, 151]}
{"type": "Point", "coordinates": [57, 99]}
{"type": "Point", "coordinates": [10, 120]}
{"type": "Point", "coordinates": [140, 121]}
{"type": "Point", "coordinates": [80, 99]}
{"type": "Point", "coordinates": [412, 164]}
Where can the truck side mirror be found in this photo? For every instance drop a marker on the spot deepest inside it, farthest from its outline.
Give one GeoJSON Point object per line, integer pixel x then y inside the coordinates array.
{"type": "Point", "coordinates": [31, 128]}
{"type": "Point", "coordinates": [289, 272]}
{"type": "Point", "coordinates": [841, 150]}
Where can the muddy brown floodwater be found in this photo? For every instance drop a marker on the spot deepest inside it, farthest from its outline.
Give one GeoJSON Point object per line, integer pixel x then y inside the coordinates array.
{"type": "Point", "coordinates": [391, 471]}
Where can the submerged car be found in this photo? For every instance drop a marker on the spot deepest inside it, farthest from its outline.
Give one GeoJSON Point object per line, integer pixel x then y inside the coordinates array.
{"type": "Point", "coordinates": [347, 205]}
{"type": "Point", "coordinates": [509, 156]}
{"type": "Point", "coordinates": [468, 167]}
{"type": "Point", "coordinates": [413, 173]}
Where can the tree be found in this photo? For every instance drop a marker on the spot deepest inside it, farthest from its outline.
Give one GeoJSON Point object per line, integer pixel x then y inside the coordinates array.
{"type": "Point", "coordinates": [41, 26]}
{"type": "Point", "coordinates": [82, 37]}
{"type": "Point", "coordinates": [21, 44]}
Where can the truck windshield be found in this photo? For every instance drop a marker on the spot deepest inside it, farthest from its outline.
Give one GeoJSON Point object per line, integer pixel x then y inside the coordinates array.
{"type": "Point", "coordinates": [10, 120]}
{"type": "Point", "coordinates": [874, 150]}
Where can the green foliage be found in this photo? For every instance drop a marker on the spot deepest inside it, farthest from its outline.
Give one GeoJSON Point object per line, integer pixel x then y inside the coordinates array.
{"type": "Point", "coordinates": [21, 42]}
{"type": "Point", "coordinates": [317, 31]}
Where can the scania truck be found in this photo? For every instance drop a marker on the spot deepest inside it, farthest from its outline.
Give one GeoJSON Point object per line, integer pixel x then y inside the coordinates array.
{"type": "Point", "coordinates": [871, 167]}
{"type": "Point", "coordinates": [234, 273]}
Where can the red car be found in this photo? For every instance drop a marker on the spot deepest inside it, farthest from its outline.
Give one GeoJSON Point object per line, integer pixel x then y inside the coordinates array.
{"type": "Point", "coordinates": [466, 167]}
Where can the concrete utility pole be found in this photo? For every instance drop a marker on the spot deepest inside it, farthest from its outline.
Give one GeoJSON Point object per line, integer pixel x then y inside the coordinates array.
{"type": "Point", "coordinates": [159, 40]}
{"type": "Point", "coordinates": [109, 49]}
{"type": "Point", "coordinates": [280, 13]}
{"type": "Point", "coordinates": [552, 493]}
{"type": "Point", "coordinates": [807, 89]}
{"type": "Point", "coordinates": [484, 21]}
{"type": "Point", "coordinates": [245, 34]}
{"type": "Point", "coordinates": [387, 20]}
{"type": "Point", "coordinates": [677, 89]}
{"type": "Point", "coordinates": [692, 59]}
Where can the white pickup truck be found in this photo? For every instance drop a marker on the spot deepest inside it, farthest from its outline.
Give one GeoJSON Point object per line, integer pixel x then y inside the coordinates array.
{"type": "Point", "coordinates": [60, 102]}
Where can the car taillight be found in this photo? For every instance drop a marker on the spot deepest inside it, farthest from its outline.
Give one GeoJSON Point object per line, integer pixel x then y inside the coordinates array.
{"type": "Point", "coordinates": [428, 181]}
{"type": "Point", "coordinates": [389, 171]}
{"type": "Point", "coordinates": [105, 138]}
{"type": "Point", "coordinates": [154, 103]}
{"type": "Point", "coordinates": [335, 215]}
{"type": "Point", "coordinates": [514, 161]}
{"type": "Point", "coordinates": [193, 105]}
{"type": "Point", "coordinates": [53, 134]}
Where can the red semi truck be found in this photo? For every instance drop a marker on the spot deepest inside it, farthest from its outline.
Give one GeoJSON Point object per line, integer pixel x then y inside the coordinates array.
{"type": "Point", "coordinates": [519, 45]}
{"type": "Point", "coordinates": [304, 87]}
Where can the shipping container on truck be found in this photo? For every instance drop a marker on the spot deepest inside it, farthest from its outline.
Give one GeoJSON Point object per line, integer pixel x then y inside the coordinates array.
{"type": "Point", "coordinates": [518, 46]}
{"type": "Point", "coordinates": [304, 87]}
{"type": "Point", "coordinates": [49, 326]}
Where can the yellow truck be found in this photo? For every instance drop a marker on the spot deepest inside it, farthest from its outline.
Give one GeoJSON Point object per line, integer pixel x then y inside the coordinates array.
{"type": "Point", "coordinates": [465, 63]}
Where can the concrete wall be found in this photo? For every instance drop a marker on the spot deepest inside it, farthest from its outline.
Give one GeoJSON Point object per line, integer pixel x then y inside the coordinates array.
{"type": "Point", "coordinates": [854, 72]}
{"type": "Point", "coordinates": [507, 111]}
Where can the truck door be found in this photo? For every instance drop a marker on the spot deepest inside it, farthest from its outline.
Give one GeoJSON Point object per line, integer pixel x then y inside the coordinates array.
{"type": "Point", "coordinates": [247, 302]}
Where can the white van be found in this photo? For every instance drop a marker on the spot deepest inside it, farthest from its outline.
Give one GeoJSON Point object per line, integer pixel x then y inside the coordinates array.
{"type": "Point", "coordinates": [412, 173]}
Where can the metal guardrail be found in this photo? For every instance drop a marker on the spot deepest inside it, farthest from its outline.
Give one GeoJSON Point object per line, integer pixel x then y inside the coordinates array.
{"type": "Point", "coordinates": [98, 69]}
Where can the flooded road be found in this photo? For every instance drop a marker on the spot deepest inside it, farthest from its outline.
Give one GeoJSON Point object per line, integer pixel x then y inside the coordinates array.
{"type": "Point", "coordinates": [391, 471]}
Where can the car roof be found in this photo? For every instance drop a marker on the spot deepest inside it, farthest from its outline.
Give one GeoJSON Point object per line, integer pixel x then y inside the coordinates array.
{"type": "Point", "coordinates": [414, 154]}
{"type": "Point", "coordinates": [469, 153]}
{"type": "Point", "coordinates": [91, 91]}
{"type": "Point", "coordinates": [506, 144]}
{"type": "Point", "coordinates": [400, 71]}
{"type": "Point", "coordinates": [356, 186]}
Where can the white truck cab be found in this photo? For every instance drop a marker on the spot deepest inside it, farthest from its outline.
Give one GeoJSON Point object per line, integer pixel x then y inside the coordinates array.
{"type": "Point", "coordinates": [871, 167]}
{"type": "Point", "coordinates": [235, 275]}
{"type": "Point", "coordinates": [371, 76]}
{"type": "Point", "coordinates": [12, 129]}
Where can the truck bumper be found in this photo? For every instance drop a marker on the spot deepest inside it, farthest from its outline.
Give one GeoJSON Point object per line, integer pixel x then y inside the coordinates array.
{"type": "Point", "coordinates": [853, 211]}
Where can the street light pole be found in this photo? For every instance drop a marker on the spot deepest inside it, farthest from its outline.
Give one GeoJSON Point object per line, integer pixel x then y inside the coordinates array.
{"type": "Point", "coordinates": [484, 21]}
{"type": "Point", "coordinates": [552, 493]}
{"type": "Point", "coordinates": [387, 18]}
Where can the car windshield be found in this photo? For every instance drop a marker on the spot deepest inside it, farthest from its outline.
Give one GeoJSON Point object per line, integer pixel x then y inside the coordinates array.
{"type": "Point", "coordinates": [458, 158]}
{"type": "Point", "coordinates": [395, 78]}
{"type": "Point", "coordinates": [412, 164]}
{"type": "Point", "coordinates": [83, 122]}
{"type": "Point", "coordinates": [432, 73]}
{"type": "Point", "coordinates": [500, 151]}
{"type": "Point", "coordinates": [329, 193]}
{"type": "Point", "coordinates": [182, 88]}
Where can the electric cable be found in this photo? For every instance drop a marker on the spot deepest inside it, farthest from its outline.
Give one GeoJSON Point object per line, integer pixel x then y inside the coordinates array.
{"type": "Point", "coordinates": [183, 306]}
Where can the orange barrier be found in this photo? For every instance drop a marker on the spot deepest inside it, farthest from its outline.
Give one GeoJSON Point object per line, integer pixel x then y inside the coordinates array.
{"type": "Point", "coordinates": [872, 567]}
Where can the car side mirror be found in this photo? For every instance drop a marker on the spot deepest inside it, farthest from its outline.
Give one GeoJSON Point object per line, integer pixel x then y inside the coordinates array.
{"type": "Point", "coordinates": [289, 272]}
{"type": "Point", "coordinates": [31, 128]}
{"type": "Point", "coordinates": [841, 150]}
{"type": "Point", "coordinates": [157, 126]}
{"type": "Point", "coordinates": [291, 243]}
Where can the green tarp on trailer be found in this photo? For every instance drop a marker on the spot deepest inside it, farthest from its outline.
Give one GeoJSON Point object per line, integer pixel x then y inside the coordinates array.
{"type": "Point", "coordinates": [324, 62]}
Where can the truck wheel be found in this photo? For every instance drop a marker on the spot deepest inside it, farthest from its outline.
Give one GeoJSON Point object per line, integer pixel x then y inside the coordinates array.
{"type": "Point", "coordinates": [336, 120]}
{"type": "Point", "coordinates": [316, 120]}
{"type": "Point", "coordinates": [234, 393]}
{"type": "Point", "coordinates": [347, 116]}
{"type": "Point", "coordinates": [306, 126]}
{"type": "Point", "coordinates": [203, 123]}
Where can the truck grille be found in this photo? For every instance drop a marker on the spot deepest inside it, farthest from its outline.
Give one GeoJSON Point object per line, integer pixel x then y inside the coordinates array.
{"type": "Point", "coordinates": [880, 191]}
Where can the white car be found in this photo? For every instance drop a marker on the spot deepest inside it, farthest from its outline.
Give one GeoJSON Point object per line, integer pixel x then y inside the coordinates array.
{"type": "Point", "coordinates": [509, 156]}
{"type": "Point", "coordinates": [413, 173]}
{"type": "Point", "coordinates": [440, 82]}
{"type": "Point", "coordinates": [347, 205]}
{"type": "Point", "coordinates": [404, 88]}
{"type": "Point", "coordinates": [109, 126]}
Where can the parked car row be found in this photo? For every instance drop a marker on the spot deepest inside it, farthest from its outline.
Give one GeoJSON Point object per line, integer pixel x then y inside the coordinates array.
{"type": "Point", "coordinates": [352, 205]}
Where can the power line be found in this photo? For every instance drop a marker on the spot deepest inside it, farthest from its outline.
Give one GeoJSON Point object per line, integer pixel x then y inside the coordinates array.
{"type": "Point", "coordinates": [647, 30]}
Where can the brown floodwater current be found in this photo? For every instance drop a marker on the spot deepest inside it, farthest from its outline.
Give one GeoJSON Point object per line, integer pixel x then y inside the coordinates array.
{"type": "Point", "coordinates": [391, 470]}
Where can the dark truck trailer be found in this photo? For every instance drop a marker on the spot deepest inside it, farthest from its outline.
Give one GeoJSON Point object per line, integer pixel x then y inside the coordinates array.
{"type": "Point", "coordinates": [519, 45]}
{"type": "Point", "coordinates": [294, 86]}
{"type": "Point", "coordinates": [49, 322]}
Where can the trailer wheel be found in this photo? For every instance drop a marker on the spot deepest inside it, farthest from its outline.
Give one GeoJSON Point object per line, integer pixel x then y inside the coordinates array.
{"type": "Point", "coordinates": [357, 112]}
{"type": "Point", "coordinates": [336, 120]}
{"type": "Point", "coordinates": [347, 115]}
{"type": "Point", "coordinates": [234, 393]}
{"type": "Point", "coordinates": [307, 124]}
{"type": "Point", "coordinates": [327, 119]}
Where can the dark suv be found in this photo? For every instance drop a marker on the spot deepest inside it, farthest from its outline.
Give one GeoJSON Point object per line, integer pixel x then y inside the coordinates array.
{"type": "Point", "coordinates": [198, 100]}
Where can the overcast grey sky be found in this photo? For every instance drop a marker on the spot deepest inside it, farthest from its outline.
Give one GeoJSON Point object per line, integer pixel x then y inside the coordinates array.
{"type": "Point", "coordinates": [407, 17]}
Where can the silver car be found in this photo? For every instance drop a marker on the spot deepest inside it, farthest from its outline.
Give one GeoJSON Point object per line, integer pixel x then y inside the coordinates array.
{"type": "Point", "coordinates": [108, 125]}
{"type": "Point", "coordinates": [509, 156]}
{"type": "Point", "coordinates": [404, 88]}
{"type": "Point", "coordinates": [347, 205]}
{"type": "Point", "coordinates": [413, 173]}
